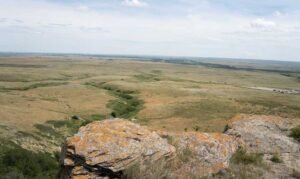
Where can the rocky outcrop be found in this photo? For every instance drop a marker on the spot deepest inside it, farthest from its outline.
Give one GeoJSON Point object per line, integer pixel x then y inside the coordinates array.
{"type": "Point", "coordinates": [111, 147]}
{"type": "Point", "coordinates": [106, 148]}
{"type": "Point", "coordinates": [209, 152]}
{"type": "Point", "coordinates": [264, 134]}
{"type": "Point", "coordinates": [268, 135]}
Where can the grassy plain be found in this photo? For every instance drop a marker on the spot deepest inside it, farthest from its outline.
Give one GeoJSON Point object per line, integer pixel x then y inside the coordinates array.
{"type": "Point", "coordinates": [163, 96]}
{"type": "Point", "coordinates": [45, 99]}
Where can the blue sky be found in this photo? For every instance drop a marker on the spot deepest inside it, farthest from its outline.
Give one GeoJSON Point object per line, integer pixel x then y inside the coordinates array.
{"type": "Point", "coordinates": [265, 29]}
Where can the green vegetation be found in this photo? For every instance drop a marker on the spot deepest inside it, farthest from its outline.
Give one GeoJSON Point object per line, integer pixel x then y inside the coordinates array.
{"type": "Point", "coordinates": [275, 158]}
{"type": "Point", "coordinates": [195, 96]}
{"type": "Point", "coordinates": [246, 165]}
{"type": "Point", "coordinates": [148, 77]}
{"type": "Point", "coordinates": [126, 105]}
{"type": "Point", "coordinates": [242, 157]}
{"type": "Point", "coordinates": [295, 133]}
{"type": "Point", "coordinates": [226, 128]}
{"type": "Point", "coordinates": [16, 162]}
{"type": "Point", "coordinates": [171, 140]}
{"type": "Point", "coordinates": [59, 129]}
{"type": "Point", "coordinates": [196, 128]}
{"type": "Point", "coordinates": [185, 155]}
{"type": "Point", "coordinates": [35, 85]}
{"type": "Point", "coordinates": [48, 131]}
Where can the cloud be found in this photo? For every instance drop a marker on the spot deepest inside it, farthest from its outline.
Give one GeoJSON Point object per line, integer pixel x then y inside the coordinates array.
{"type": "Point", "coordinates": [83, 8]}
{"type": "Point", "coordinates": [3, 20]}
{"type": "Point", "coordinates": [134, 3]}
{"type": "Point", "coordinates": [262, 23]}
{"type": "Point", "coordinates": [178, 28]}
{"type": "Point", "coordinates": [93, 29]}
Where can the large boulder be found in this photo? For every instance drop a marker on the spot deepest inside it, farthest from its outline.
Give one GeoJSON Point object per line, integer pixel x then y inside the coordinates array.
{"type": "Point", "coordinates": [106, 148]}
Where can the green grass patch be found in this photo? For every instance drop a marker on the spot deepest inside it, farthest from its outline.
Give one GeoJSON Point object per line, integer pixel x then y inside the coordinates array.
{"type": "Point", "coordinates": [276, 158]}
{"type": "Point", "coordinates": [16, 162]}
{"type": "Point", "coordinates": [126, 104]}
{"type": "Point", "coordinates": [59, 129]}
{"type": "Point", "coordinates": [147, 77]}
{"type": "Point", "coordinates": [242, 157]}
{"type": "Point", "coordinates": [35, 85]}
{"type": "Point", "coordinates": [48, 131]}
{"type": "Point", "coordinates": [295, 133]}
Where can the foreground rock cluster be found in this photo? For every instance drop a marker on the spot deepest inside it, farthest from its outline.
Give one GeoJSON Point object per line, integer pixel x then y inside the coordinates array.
{"type": "Point", "coordinates": [110, 148]}
{"type": "Point", "coordinates": [268, 135]}
{"type": "Point", "coordinates": [107, 148]}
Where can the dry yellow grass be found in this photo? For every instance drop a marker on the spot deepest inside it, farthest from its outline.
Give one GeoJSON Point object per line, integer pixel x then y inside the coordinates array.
{"type": "Point", "coordinates": [175, 96]}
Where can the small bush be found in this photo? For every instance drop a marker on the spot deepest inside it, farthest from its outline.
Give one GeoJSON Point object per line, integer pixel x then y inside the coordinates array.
{"type": "Point", "coordinates": [275, 158]}
{"type": "Point", "coordinates": [75, 117]}
{"type": "Point", "coordinates": [242, 157]}
{"type": "Point", "coordinates": [185, 155]}
{"type": "Point", "coordinates": [295, 133]}
{"type": "Point", "coordinates": [196, 128]}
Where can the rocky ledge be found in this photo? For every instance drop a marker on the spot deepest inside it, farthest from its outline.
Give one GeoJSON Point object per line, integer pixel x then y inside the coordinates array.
{"type": "Point", "coordinates": [106, 148]}
{"type": "Point", "coordinates": [268, 135]}
{"type": "Point", "coordinates": [111, 148]}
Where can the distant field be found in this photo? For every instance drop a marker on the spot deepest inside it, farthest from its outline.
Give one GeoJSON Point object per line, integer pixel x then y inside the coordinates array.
{"type": "Point", "coordinates": [165, 96]}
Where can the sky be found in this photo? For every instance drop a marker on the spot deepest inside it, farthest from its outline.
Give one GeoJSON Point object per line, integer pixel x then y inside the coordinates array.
{"type": "Point", "coordinates": [257, 29]}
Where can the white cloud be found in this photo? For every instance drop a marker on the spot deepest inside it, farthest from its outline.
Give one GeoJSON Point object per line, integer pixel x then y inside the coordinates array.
{"type": "Point", "coordinates": [262, 23]}
{"type": "Point", "coordinates": [83, 8]}
{"type": "Point", "coordinates": [134, 3]}
{"type": "Point", "coordinates": [111, 29]}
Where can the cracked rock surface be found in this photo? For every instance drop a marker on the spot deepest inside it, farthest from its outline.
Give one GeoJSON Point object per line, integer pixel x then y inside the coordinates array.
{"type": "Point", "coordinates": [268, 135]}
{"type": "Point", "coordinates": [104, 149]}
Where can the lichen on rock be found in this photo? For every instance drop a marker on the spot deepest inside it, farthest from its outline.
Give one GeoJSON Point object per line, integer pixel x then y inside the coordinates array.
{"type": "Point", "coordinates": [108, 147]}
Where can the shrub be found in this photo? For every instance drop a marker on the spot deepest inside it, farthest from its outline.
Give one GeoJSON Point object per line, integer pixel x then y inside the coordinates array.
{"type": "Point", "coordinates": [226, 128]}
{"type": "Point", "coordinates": [75, 117]}
{"type": "Point", "coordinates": [275, 158]}
{"type": "Point", "coordinates": [20, 162]}
{"type": "Point", "coordinates": [126, 105]}
{"type": "Point", "coordinates": [186, 154]}
{"type": "Point", "coordinates": [242, 157]}
{"type": "Point", "coordinates": [196, 128]}
{"type": "Point", "coordinates": [295, 133]}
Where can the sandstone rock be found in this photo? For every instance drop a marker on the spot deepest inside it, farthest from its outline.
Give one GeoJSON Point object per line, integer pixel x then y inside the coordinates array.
{"type": "Point", "coordinates": [106, 148]}
{"type": "Point", "coordinates": [209, 152]}
{"type": "Point", "coordinates": [264, 134]}
{"type": "Point", "coordinates": [268, 135]}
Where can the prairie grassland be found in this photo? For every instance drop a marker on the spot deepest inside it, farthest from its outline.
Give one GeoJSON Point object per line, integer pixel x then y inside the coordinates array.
{"type": "Point", "coordinates": [175, 97]}
{"type": "Point", "coordinates": [43, 100]}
